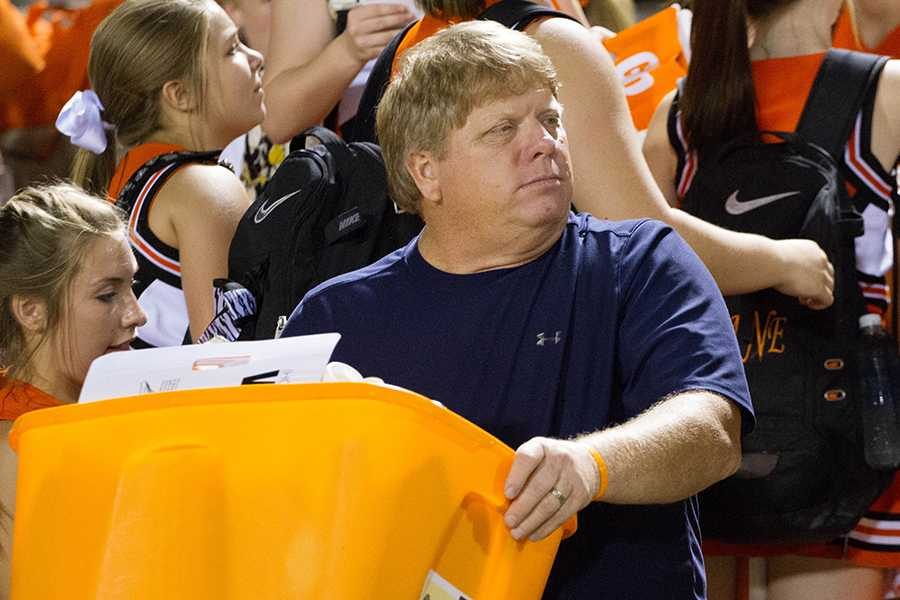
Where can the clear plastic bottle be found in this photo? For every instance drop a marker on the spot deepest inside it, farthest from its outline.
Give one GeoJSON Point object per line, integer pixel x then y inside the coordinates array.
{"type": "Point", "coordinates": [879, 394]}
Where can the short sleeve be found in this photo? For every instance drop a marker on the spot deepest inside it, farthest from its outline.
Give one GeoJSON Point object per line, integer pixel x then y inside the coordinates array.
{"type": "Point", "coordinates": [311, 316]}
{"type": "Point", "coordinates": [675, 333]}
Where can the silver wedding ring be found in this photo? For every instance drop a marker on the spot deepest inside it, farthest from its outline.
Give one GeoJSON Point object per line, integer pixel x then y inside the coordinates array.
{"type": "Point", "coordinates": [559, 496]}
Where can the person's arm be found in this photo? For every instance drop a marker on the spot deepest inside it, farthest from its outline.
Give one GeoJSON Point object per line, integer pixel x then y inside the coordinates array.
{"type": "Point", "coordinates": [658, 152]}
{"type": "Point", "coordinates": [612, 180]}
{"type": "Point", "coordinates": [681, 389]}
{"type": "Point", "coordinates": [203, 205]}
{"type": "Point", "coordinates": [308, 68]}
{"type": "Point", "coordinates": [886, 117]}
{"type": "Point", "coordinates": [7, 505]}
{"type": "Point", "coordinates": [886, 137]}
{"type": "Point", "coordinates": [670, 452]}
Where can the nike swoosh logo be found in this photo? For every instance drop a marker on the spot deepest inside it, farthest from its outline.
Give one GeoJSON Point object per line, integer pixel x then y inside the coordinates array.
{"type": "Point", "coordinates": [264, 210]}
{"type": "Point", "coordinates": [733, 207]}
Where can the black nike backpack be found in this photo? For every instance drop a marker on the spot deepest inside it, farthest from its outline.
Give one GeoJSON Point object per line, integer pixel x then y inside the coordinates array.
{"type": "Point", "coordinates": [803, 475]}
{"type": "Point", "coordinates": [325, 212]}
{"type": "Point", "coordinates": [514, 14]}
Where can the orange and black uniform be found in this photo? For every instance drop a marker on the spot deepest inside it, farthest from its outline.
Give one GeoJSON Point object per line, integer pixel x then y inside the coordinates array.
{"type": "Point", "coordinates": [782, 86]}
{"type": "Point", "coordinates": [134, 186]}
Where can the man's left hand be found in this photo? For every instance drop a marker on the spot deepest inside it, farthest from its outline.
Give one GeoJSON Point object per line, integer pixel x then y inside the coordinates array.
{"type": "Point", "coordinates": [550, 480]}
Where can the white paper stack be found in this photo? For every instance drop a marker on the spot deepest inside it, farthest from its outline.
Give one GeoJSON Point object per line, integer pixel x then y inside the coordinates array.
{"type": "Point", "coordinates": [285, 360]}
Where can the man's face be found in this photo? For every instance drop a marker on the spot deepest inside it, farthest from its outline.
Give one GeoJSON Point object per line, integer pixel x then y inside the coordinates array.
{"type": "Point", "coordinates": [508, 166]}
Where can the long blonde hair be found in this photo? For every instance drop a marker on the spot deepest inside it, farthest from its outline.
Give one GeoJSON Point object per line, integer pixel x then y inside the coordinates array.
{"type": "Point", "coordinates": [139, 47]}
{"type": "Point", "coordinates": [45, 233]}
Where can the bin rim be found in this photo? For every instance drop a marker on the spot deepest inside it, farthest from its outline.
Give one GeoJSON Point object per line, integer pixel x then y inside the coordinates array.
{"type": "Point", "coordinates": [286, 392]}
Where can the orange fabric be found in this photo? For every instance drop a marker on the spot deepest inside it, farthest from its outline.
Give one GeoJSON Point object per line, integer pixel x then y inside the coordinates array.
{"type": "Point", "coordinates": [844, 37]}
{"type": "Point", "coordinates": [782, 86]}
{"type": "Point", "coordinates": [134, 160]}
{"type": "Point", "coordinates": [650, 61]}
{"type": "Point", "coordinates": [425, 28]}
{"type": "Point", "coordinates": [64, 38]}
{"type": "Point", "coordinates": [648, 57]}
{"type": "Point", "coordinates": [18, 398]}
{"type": "Point", "coordinates": [21, 52]}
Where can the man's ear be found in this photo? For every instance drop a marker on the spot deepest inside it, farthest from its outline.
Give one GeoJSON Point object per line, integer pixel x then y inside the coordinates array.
{"type": "Point", "coordinates": [30, 313]}
{"type": "Point", "coordinates": [425, 171]}
{"type": "Point", "coordinates": [177, 96]}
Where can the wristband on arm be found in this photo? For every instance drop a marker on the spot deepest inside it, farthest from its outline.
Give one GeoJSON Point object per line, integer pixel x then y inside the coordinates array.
{"type": "Point", "coordinates": [604, 473]}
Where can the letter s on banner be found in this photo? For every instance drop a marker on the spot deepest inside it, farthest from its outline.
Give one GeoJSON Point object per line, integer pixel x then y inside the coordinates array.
{"type": "Point", "coordinates": [635, 72]}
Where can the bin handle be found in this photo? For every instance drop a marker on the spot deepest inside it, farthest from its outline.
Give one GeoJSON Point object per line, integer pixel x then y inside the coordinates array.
{"type": "Point", "coordinates": [490, 580]}
{"type": "Point", "coordinates": [568, 528]}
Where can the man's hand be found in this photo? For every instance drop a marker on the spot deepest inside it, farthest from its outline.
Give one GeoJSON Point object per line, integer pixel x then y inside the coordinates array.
{"type": "Point", "coordinates": [807, 273]}
{"type": "Point", "coordinates": [371, 26]}
{"type": "Point", "coordinates": [550, 480]}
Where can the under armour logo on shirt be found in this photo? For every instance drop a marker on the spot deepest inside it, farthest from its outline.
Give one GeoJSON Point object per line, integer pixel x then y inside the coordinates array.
{"type": "Point", "coordinates": [543, 338]}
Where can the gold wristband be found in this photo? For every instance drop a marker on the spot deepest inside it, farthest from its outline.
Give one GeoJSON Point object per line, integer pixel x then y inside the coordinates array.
{"type": "Point", "coordinates": [604, 473]}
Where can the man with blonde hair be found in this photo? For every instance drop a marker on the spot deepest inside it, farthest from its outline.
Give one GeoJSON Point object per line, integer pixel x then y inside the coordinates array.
{"type": "Point", "coordinates": [540, 325]}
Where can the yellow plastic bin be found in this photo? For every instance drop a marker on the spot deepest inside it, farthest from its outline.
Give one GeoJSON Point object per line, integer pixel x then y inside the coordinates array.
{"type": "Point", "coordinates": [322, 491]}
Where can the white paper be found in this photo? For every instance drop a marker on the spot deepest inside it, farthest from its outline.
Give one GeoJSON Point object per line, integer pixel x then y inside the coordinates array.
{"type": "Point", "coordinates": [285, 360]}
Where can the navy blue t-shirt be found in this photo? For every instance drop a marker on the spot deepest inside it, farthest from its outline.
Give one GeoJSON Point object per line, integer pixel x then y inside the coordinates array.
{"type": "Point", "coordinates": [613, 318]}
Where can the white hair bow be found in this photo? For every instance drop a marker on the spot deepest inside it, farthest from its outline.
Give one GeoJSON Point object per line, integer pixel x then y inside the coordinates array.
{"type": "Point", "coordinates": [80, 120]}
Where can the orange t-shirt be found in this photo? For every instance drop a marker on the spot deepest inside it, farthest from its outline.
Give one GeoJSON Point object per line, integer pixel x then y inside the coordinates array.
{"type": "Point", "coordinates": [424, 29]}
{"type": "Point", "coordinates": [21, 52]}
{"type": "Point", "coordinates": [61, 38]}
{"type": "Point", "coordinates": [844, 37]}
{"type": "Point", "coordinates": [18, 398]}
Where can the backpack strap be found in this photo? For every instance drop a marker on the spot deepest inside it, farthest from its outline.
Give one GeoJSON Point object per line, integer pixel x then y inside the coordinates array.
{"type": "Point", "coordinates": [518, 14]}
{"type": "Point", "coordinates": [363, 129]}
{"type": "Point", "coordinates": [326, 137]}
{"type": "Point", "coordinates": [836, 98]}
{"type": "Point", "coordinates": [336, 146]}
{"type": "Point", "coordinates": [837, 95]}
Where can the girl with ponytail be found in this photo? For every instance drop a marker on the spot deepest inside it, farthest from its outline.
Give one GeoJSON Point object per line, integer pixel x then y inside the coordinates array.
{"type": "Point", "coordinates": [171, 85]}
{"type": "Point", "coordinates": [752, 67]}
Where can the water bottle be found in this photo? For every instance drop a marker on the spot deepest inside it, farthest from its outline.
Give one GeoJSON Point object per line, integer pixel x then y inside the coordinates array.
{"type": "Point", "coordinates": [879, 394]}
